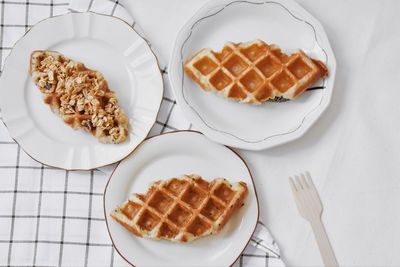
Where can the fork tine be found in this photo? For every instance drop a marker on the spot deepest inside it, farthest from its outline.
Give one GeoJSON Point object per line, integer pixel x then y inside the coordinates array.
{"type": "Point", "coordinates": [298, 182]}
{"type": "Point", "coordinates": [303, 179]}
{"type": "Point", "coordinates": [310, 181]}
{"type": "Point", "coordinates": [314, 191]}
{"type": "Point", "coordinates": [308, 197]}
{"type": "Point", "coordinates": [292, 185]}
{"type": "Point", "coordinates": [297, 197]}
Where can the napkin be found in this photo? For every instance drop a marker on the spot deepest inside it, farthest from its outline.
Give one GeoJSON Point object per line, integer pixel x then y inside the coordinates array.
{"type": "Point", "coordinates": [51, 217]}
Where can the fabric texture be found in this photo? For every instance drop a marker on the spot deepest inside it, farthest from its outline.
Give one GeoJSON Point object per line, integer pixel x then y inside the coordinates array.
{"type": "Point", "coordinates": [52, 217]}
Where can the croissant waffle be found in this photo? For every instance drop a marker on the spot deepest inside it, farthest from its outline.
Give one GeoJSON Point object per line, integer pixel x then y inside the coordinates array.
{"type": "Point", "coordinates": [254, 72]}
{"type": "Point", "coordinates": [181, 210]}
{"type": "Point", "coordinates": [79, 95]}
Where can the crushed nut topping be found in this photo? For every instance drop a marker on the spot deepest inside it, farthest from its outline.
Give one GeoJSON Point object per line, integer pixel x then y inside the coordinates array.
{"type": "Point", "coordinates": [79, 93]}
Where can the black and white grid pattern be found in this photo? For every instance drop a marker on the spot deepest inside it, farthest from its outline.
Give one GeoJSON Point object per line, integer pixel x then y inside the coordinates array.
{"type": "Point", "coordinates": [51, 217]}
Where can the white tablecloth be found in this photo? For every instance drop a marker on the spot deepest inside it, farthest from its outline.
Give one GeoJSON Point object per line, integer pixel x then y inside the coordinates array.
{"type": "Point", "coordinates": [52, 217]}
{"type": "Point", "coordinates": [353, 151]}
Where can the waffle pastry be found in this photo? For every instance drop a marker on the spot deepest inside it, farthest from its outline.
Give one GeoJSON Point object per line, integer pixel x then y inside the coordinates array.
{"type": "Point", "coordinates": [254, 72]}
{"type": "Point", "coordinates": [181, 210]}
{"type": "Point", "coordinates": [79, 95]}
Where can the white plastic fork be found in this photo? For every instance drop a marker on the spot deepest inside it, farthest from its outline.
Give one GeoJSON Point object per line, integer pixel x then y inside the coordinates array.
{"type": "Point", "coordinates": [310, 208]}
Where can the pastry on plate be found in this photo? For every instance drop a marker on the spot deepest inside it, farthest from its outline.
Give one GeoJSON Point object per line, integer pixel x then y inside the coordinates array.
{"type": "Point", "coordinates": [254, 72]}
{"type": "Point", "coordinates": [80, 96]}
{"type": "Point", "coordinates": [181, 210]}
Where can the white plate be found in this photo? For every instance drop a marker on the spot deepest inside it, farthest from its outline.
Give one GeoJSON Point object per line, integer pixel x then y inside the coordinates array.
{"type": "Point", "coordinates": [282, 22]}
{"type": "Point", "coordinates": [103, 43]}
{"type": "Point", "coordinates": [170, 155]}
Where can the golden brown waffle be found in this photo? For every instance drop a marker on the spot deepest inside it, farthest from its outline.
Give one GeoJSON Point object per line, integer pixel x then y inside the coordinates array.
{"type": "Point", "coordinates": [254, 72]}
{"type": "Point", "coordinates": [79, 95]}
{"type": "Point", "coordinates": [181, 210]}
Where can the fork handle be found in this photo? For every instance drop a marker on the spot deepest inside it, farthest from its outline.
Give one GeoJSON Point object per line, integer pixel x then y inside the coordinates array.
{"type": "Point", "coordinates": [328, 257]}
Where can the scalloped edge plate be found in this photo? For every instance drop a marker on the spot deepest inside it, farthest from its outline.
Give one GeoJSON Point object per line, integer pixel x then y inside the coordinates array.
{"type": "Point", "coordinates": [240, 125]}
{"type": "Point", "coordinates": [102, 43]}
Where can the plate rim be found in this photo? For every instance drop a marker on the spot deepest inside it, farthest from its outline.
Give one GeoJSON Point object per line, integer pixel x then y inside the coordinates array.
{"type": "Point", "coordinates": [193, 132]}
{"type": "Point", "coordinates": [227, 138]}
{"type": "Point", "coordinates": [152, 124]}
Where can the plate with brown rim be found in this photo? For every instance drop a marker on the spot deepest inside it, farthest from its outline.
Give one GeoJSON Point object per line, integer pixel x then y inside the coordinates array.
{"type": "Point", "coordinates": [103, 43]}
{"type": "Point", "coordinates": [173, 155]}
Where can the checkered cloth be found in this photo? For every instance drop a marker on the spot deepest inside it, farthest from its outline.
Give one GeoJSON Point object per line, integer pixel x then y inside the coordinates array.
{"type": "Point", "coordinates": [52, 217]}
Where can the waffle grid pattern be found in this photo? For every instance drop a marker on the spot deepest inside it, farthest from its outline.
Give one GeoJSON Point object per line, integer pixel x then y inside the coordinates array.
{"type": "Point", "coordinates": [253, 72]}
{"type": "Point", "coordinates": [182, 209]}
{"type": "Point", "coordinates": [51, 217]}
